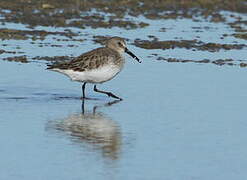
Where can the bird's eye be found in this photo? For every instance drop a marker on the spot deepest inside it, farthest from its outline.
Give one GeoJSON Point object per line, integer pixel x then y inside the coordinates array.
{"type": "Point", "coordinates": [120, 44]}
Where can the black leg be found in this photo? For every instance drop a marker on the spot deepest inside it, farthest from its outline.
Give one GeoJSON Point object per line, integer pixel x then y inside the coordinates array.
{"type": "Point", "coordinates": [83, 106]}
{"type": "Point", "coordinates": [107, 93]}
{"type": "Point", "coordinates": [83, 90]}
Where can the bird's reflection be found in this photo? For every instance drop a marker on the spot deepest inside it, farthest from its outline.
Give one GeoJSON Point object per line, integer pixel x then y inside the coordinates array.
{"type": "Point", "coordinates": [93, 127]}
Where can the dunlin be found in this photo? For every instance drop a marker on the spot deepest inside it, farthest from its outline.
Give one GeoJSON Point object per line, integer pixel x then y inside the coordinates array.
{"type": "Point", "coordinates": [96, 66]}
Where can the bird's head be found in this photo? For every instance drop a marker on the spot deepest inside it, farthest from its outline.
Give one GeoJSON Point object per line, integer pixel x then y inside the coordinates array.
{"type": "Point", "coordinates": [118, 44]}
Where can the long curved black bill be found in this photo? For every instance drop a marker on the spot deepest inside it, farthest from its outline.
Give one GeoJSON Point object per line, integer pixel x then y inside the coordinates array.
{"type": "Point", "coordinates": [132, 55]}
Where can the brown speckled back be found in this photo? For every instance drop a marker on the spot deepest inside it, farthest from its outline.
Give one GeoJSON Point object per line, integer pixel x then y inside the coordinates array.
{"type": "Point", "coordinates": [92, 60]}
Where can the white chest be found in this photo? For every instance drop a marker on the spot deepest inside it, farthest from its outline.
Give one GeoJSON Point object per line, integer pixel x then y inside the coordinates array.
{"type": "Point", "coordinates": [98, 75]}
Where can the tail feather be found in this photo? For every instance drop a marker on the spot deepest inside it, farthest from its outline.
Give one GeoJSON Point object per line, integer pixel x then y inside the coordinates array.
{"type": "Point", "coordinates": [57, 65]}
{"type": "Point", "coordinates": [50, 66]}
{"type": "Point", "coordinates": [61, 63]}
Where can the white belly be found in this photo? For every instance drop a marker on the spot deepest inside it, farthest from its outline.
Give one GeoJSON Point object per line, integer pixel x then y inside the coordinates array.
{"type": "Point", "coordinates": [99, 75]}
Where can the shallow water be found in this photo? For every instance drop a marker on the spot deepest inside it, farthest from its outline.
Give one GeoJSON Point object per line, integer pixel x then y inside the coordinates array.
{"type": "Point", "coordinates": [177, 121]}
{"type": "Point", "coordinates": [183, 122]}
